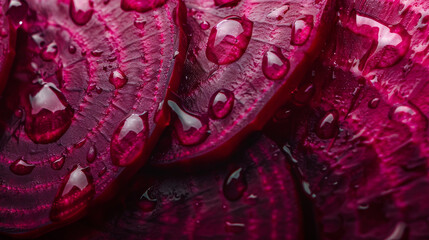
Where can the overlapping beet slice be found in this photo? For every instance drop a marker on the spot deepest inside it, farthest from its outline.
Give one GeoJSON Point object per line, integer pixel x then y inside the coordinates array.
{"type": "Point", "coordinates": [244, 60]}
{"type": "Point", "coordinates": [251, 197]}
{"type": "Point", "coordinates": [78, 112]}
{"type": "Point", "coordinates": [363, 150]}
{"type": "Point", "coordinates": [7, 40]}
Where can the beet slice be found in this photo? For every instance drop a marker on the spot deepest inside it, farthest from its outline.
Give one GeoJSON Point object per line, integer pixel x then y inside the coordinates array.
{"type": "Point", "coordinates": [363, 149]}
{"type": "Point", "coordinates": [242, 64]}
{"type": "Point", "coordinates": [7, 42]}
{"type": "Point", "coordinates": [251, 197]}
{"type": "Point", "coordinates": [79, 108]}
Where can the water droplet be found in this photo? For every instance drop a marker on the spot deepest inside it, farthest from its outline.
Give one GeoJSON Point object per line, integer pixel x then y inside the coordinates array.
{"type": "Point", "coordinates": [304, 94]}
{"type": "Point", "coordinates": [48, 114]}
{"type": "Point", "coordinates": [129, 139]}
{"type": "Point", "coordinates": [17, 11]}
{"type": "Point", "coordinates": [139, 23]}
{"type": "Point", "coordinates": [4, 32]}
{"type": "Point", "coordinates": [72, 49]}
{"type": "Point", "coordinates": [278, 13]}
{"type": "Point", "coordinates": [274, 64]}
{"type": "Point", "coordinates": [92, 154]}
{"type": "Point", "coordinates": [374, 103]}
{"type": "Point", "coordinates": [75, 193]}
{"type": "Point", "coordinates": [80, 143]}
{"type": "Point", "coordinates": [410, 116]}
{"type": "Point", "coordinates": [301, 30]}
{"type": "Point", "coordinates": [81, 11]}
{"type": "Point", "coordinates": [328, 126]}
{"type": "Point", "coordinates": [229, 39]}
{"type": "Point", "coordinates": [58, 163]}
{"type": "Point", "coordinates": [147, 203]}
{"type": "Point", "coordinates": [49, 52]}
{"type": "Point", "coordinates": [226, 3]}
{"type": "Point", "coordinates": [21, 167]}
{"type": "Point", "coordinates": [141, 5]}
{"type": "Point", "coordinates": [19, 113]}
{"type": "Point", "coordinates": [190, 129]}
{"type": "Point", "coordinates": [235, 185]}
{"type": "Point", "coordinates": [118, 78]}
{"type": "Point", "coordinates": [234, 227]}
{"type": "Point", "coordinates": [221, 103]}
{"type": "Point", "coordinates": [96, 53]}
{"type": "Point", "coordinates": [204, 25]}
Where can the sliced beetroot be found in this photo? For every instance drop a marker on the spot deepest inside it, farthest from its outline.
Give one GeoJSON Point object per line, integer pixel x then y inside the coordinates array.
{"type": "Point", "coordinates": [367, 169]}
{"type": "Point", "coordinates": [7, 42]}
{"type": "Point", "coordinates": [78, 112]}
{"type": "Point", "coordinates": [199, 205]}
{"type": "Point", "coordinates": [257, 53]}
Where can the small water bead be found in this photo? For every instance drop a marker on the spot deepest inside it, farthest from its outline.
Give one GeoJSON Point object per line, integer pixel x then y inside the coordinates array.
{"type": "Point", "coordinates": [57, 163]}
{"type": "Point", "coordinates": [328, 125]}
{"type": "Point", "coordinates": [229, 39]}
{"type": "Point", "coordinates": [235, 185]}
{"type": "Point", "coordinates": [118, 78]}
{"type": "Point", "coordinates": [4, 32]}
{"type": "Point", "coordinates": [410, 116]}
{"type": "Point", "coordinates": [139, 23]}
{"type": "Point", "coordinates": [75, 193]}
{"type": "Point", "coordinates": [96, 53]}
{"type": "Point", "coordinates": [226, 3]}
{"type": "Point", "coordinates": [91, 154]}
{"type": "Point", "coordinates": [81, 11]}
{"type": "Point", "coordinates": [17, 11]}
{"type": "Point", "coordinates": [21, 167]}
{"type": "Point", "coordinates": [147, 203]}
{"type": "Point", "coordinates": [374, 103]}
{"type": "Point", "coordinates": [129, 139]}
{"type": "Point", "coordinates": [233, 227]}
{"type": "Point", "coordinates": [190, 129]}
{"type": "Point", "coordinates": [274, 64]}
{"type": "Point", "coordinates": [72, 49]}
{"type": "Point", "coordinates": [301, 30]}
{"type": "Point", "coordinates": [48, 114]}
{"type": "Point", "coordinates": [204, 25]}
{"type": "Point", "coordinates": [49, 52]}
{"type": "Point", "coordinates": [221, 103]}
{"type": "Point", "coordinates": [278, 13]}
{"type": "Point", "coordinates": [141, 5]}
{"type": "Point", "coordinates": [304, 93]}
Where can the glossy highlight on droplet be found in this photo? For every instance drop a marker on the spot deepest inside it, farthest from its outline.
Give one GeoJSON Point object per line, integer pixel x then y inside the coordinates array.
{"type": "Point", "coordinates": [221, 103]}
{"type": "Point", "coordinates": [57, 162]}
{"type": "Point", "coordinates": [275, 65]}
{"type": "Point", "coordinates": [129, 139]}
{"type": "Point", "coordinates": [301, 30]}
{"type": "Point", "coordinates": [49, 52]}
{"type": "Point", "coordinates": [81, 11]}
{"type": "Point", "coordinates": [235, 185]}
{"type": "Point", "coordinates": [75, 193]}
{"type": "Point", "coordinates": [229, 39]}
{"type": "Point", "coordinates": [48, 114]}
{"type": "Point", "coordinates": [141, 5]}
{"type": "Point", "coordinates": [190, 128]}
{"type": "Point", "coordinates": [328, 125]}
{"type": "Point", "coordinates": [21, 167]}
{"type": "Point", "coordinates": [118, 79]}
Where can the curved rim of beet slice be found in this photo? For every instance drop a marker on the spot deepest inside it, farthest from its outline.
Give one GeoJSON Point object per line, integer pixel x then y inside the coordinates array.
{"type": "Point", "coordinates": [7, 42]}
{"type": "Point", "coordinates": [367, 177]}
{"type": "Point", "coordinates": [266, 204]}
{"type": "Point", "coordinates": [73, 55]}
{"type": "Point", "coordinates": [255, 96]}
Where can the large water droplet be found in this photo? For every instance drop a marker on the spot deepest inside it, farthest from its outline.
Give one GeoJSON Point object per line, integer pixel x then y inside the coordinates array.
{"type": "Point", "coordinates": [301, 30]}
{"type": "Point", "coordinates": [129, 139]}
{"type": "Point", "coordinates": [235, 185]}
{"type": "Point", "coordinates": [141, 5]}
{"type": "Point", "coordinates": [49, 52]}
{"type": "Point", "coordinates": [221, 103]}
{"type": "Point", "coordinates": [91, 154]}
{"type": "Point", "coordinates": [328, 125]}
{"type": "Point", "coordinates": [48, 114]}
{"type": "Point", "coordinates": [226, 3]}
{"type": "Point", "coordinates": [81, 11]}
{"type": "Point", "coordinates": [190, 129]}
{"type": "Point", "coordinates": [21, 167]}
{"type": "Point", "coordinates": [147, 203]}
{"type": "Point", "coordinates": [75, 193]}
{"type": "Point", "coordinates": [118, 78]}
{"type": "Point", "coordinates": [17, 11]}
{"type": "Point", "coordinates": [229, 39]}
{"type": "Point", "coordinates": [274, 64]}
{"type": "Point", "coordinates": [410, 116]}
